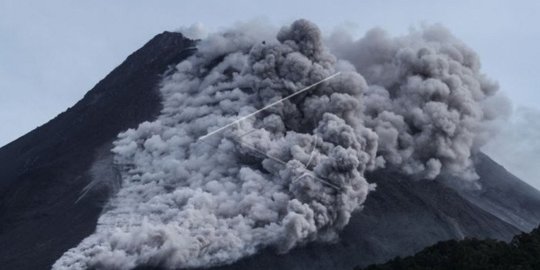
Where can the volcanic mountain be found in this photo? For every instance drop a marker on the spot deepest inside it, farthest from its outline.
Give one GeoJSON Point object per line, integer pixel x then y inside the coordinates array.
{"type": "Point", "coordinates": [50, 199]}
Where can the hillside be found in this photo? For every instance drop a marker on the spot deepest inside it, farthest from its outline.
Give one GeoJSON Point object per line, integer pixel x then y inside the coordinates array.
{"type": "Point", "coordinates": [521, 253]}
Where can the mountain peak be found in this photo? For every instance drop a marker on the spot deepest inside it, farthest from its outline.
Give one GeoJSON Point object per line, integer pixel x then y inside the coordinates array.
{"type": "Point", "coordinates": [43, 173]}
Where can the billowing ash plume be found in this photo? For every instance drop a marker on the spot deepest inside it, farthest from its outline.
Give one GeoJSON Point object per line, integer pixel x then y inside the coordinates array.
{"type": "Point", "coordinates": [292, 173]}
{"type": "Point", "coordinates": [426, 100]}
{"type": "Point", "coordinates": [187, 202]}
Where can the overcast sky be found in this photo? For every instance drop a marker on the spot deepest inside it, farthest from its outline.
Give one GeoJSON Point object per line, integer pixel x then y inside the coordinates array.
{"type": "Point", "coordinates": [53, 52]}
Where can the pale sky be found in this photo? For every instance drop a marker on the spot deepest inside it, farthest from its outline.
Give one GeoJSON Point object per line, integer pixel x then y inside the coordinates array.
{"type": "Point", "coordinates": [53, 52]}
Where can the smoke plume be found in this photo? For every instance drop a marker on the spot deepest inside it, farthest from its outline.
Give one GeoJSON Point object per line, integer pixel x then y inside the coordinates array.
{"type": "Point", "coordinates": [293, 173]}
{"type": "Point", "coordinates": [427, 101]}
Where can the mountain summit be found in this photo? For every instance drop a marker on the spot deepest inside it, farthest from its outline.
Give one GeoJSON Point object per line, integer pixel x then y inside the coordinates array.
{"type": "Point", "coordinates": [44, 173]}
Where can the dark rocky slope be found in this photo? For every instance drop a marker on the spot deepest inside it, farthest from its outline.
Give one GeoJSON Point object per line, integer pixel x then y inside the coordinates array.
{"type": "Point", "coordinates": [43, 174]}
{"type": "Point", "coordinates": [503, 195]}
{"type": "Point", "coordinates": [400, 218]}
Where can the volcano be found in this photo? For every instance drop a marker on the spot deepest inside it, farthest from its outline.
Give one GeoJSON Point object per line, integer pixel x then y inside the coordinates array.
{"type": "Point", "coordinates": [50, 199]}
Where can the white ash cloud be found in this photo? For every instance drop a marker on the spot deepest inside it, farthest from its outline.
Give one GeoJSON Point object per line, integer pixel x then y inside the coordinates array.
{"type": "Point", "coordinates": [293, 173]}
{"type": "Point", "coordinates": [195, 31]}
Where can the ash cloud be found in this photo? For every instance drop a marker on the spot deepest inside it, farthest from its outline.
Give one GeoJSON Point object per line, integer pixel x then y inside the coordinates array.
{"type": "Point", "coordinates": [195, 31]}
{"type": "Point", "coordinates": [428, 101]}
{"type": "Point", "coordinates": [293, 173]}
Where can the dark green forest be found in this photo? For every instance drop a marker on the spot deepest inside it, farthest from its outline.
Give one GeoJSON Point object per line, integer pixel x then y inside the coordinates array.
{"type": "Point", "coordinates": [522, 253]}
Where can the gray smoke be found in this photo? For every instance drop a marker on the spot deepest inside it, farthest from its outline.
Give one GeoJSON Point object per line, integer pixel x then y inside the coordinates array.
{"type": "Point", "coordinates": [428, 101]}
{"type": "Point", "coordinates": [294, 172]}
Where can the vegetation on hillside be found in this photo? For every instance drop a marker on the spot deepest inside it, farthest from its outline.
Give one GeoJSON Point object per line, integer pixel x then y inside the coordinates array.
{"type": "Point", "coordinates": [522, 253]}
